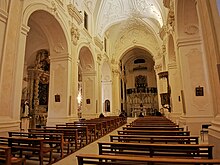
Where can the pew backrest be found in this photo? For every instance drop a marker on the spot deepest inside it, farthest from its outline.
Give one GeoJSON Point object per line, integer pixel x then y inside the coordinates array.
{"type": "Point", "coordinates": [156, 150]}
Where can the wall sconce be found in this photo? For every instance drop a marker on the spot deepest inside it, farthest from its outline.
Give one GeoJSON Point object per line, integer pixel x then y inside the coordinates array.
{"type": "Point", "coordinates": [57, 98]}
{"type": "Point", "coordinates": [199, 91]}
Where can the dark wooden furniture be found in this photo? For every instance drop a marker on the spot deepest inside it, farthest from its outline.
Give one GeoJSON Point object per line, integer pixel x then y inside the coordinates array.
{"type": "Point", "coordinates": [154, 132]}
{"type": "Point", "coordinates": [54, 140]}
{"type": "Point", "coordinates": [156, 150]}
{"type": "Point", "coordinates": [89, 159]}
{"type": "Point", "coordinates": [7, 158]}
{"type": "Point", "coordinates": [155, 139]}
{"type": "Point", "coordinates": [28, 146]}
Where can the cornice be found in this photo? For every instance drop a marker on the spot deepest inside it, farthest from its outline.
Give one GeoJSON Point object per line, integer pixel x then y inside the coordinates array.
{"type": "Point", "coordinates": [74, 13]}
{"type": "Point", "coordinates": [98, 43]}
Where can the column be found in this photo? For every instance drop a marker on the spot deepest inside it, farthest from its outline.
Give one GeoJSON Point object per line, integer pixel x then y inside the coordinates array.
{"type": "Point", "coordinates": [116, 106]}
{"type": "Point", "coordinates": [209, 19]}
{"type": "Point", "coordinates": [59, 89]}
{"type": "Point", "coordinates": [174, 81]}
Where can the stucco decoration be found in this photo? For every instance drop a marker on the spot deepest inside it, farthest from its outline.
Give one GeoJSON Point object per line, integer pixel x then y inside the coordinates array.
{"type": "Point", "coordinates": [74, 34]}
{"type": "Point", "coordinates": [99, 58]}
{"type": "Point", "coordinates": [158, 67]}
{"type": "Point", "coordinates": [90, 4]}
{"type": "Point", "coordinates": [166, 3]}
{"type": "Point", "coordinates": [191, 29]}
{"type": "Point", "coordinates": [114, 11]}
{"type": "Point", "coordinates": [137, 36]}
{"type": "Point", "coordinates": [59, 48]}
{"type": "Point", "coordinates": [74, 13]}
{"type": "Point", "coordinates": [53, 9]}
{"type": "Point", "coordinates": [171, 18]}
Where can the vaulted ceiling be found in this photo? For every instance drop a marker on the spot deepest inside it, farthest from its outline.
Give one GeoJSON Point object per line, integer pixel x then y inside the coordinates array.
{"type": "Point", "coordinates": [116, 12]}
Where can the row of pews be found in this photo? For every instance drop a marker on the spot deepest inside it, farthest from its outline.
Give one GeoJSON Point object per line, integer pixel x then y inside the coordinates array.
{"type": "Point", "coordinates": [51, 143]}
{"type": "Point", "coordinates": [151, 140]}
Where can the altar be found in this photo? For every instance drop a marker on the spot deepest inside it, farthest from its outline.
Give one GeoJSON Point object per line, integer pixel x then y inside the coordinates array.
{"type": "Point", "coordinates": [136, 112]}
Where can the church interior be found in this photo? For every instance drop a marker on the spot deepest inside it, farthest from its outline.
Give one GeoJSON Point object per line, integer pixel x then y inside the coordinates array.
{"type": "Point", "coordinates": [115, 62]}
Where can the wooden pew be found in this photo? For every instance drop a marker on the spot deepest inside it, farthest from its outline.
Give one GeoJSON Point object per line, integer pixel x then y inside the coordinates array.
{"type": "Point", "coordinates": [54, 140]}
{"type": "Point", "coordinates": [89, 159]}
{"type": "Point", "coordinates": [93, 132]}
{"type": "Point", "coordinates": [83, 132]}
{"type": "Point", "coordinates": [70, 136]}
{"type": "Point", "coordinates": [156, 150]}
{"type": "Point", "coordinates": [152, 125]}
{"type": "Point", "coordinates": [154, 128]}
{"type": "Point", "coordinates": [155, 139]}
{"type": "Point", "coordinates": [31, 147]}
{"type": "Point", "coordinates": [8, 159]}
{"type": "Point", "coordinates": [154, 132]}
{"type": "Point", "coordinates": [99, 126]}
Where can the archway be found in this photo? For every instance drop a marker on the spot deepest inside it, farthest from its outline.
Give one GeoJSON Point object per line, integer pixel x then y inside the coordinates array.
{"type": "Point", "coordinates": [138, 83]}
{"type": "Point", "coordinates": [87, 83]}
{"type": "Point", "coordinates": [42, 46]}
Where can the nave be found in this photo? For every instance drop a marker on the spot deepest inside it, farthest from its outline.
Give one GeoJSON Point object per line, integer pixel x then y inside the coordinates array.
{"type": "Point", "coordinates": [93, 148]}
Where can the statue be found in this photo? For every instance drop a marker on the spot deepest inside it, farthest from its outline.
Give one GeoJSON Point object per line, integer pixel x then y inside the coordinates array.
{"type": "Point", "coordinates": [25, 117]}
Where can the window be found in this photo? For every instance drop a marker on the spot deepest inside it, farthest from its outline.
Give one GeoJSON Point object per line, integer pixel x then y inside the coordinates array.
{"type": "Point", "coordinates": [105, 44]}
{"type": "Point", "coordinates": [85, 20]}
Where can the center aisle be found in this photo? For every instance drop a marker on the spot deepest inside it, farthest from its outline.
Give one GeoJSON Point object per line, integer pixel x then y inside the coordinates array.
{"type": "Point", "coordinates": [89, 149]}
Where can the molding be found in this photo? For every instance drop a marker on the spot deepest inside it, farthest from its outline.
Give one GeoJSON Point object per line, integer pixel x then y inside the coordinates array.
{"type": "Point", "coordinates": [188, 41]}
{"type": "Point", "coordinates": [172, 65]}
{"type": "Point", "coordinates": [64, 57]}
{"type": "Point", "coordinates": [60, 2]}
{"type": "Point", "coordinates": [3, 16]}
{"type": "Point", "coordinates": [74, 13]}
{"type": "Point", "coordinates": [98, 43]}
{"type": "Point", "coordinates": [25, 29]}
{"type": "Point", "coordinates": [86, 34]}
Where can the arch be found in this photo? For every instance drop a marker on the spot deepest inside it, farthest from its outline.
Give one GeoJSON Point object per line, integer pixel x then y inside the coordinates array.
{"type": "Point", "coordinates": [50, 12]}
{"type": "Point", "coordinates": [86, 59]}
{"type": "Point", "coordinates": [49, 34]}
{"type": "Point", "coordinates": [88, 83]}
{"type": "Point", "coordinates": [130, 48]}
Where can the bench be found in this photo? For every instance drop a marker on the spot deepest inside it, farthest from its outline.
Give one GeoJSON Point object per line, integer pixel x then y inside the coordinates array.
{"type": "Point", "coordinates": [70, 136]}
{"type": "Point", "coordinates": [99, 126]}
{"type": "Point", "coordinates": [83, 132]}
{"type": "Point", "coordinates": [154, 128]}
{"type": "Point", "coordinates": [8, 159]}
{"type": "Point", "coordinates": [89, 159]}
{"type": "Point", "coordinates": [151, 125]}
{"type": "Point", "coordinates": [55, 140]}
{"type": "Point", "coordinates": [27, 146]}
{"type": "Point", "coordinates": [155, 139]}
{"type": "Point", "coordinates": [93, 132]}
{"type": "Point", "coordinates": [156, 150]}
{"type": "Point", "coordinates": [154, 132]}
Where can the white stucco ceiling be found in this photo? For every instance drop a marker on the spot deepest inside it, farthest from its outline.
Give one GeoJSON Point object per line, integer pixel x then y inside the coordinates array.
{"type": "Point", "coordinates": [111, 12]}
